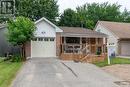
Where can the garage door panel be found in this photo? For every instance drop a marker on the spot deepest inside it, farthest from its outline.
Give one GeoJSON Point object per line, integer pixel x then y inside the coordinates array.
{"type": "Point", "coordinates": [49, 49]}
{"type": "Point", "coordinates": [43, 49]}
{"type": "Point", "coordinates": [36, 49]}
{"type": "Point", "coordinates": [125, 48]}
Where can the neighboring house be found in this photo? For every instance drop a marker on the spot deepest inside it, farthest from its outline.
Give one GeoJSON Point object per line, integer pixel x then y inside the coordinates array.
{"type": "Point", "coordinates": [65, 42]}
{"type": "Point", "coordinates": [118, 36]}
{"type": "Point", "coordinates": [5, 47]}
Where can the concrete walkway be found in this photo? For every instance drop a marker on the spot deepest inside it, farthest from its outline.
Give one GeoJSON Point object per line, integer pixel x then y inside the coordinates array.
{"type": "Point", "coordinates": [51, 72]}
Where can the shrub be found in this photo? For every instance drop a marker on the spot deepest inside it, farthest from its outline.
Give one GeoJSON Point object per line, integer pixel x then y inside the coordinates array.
{"type": "Point", "coordinates": [16, 58]}
{"type": "Point", "coordinates": [98, 52]}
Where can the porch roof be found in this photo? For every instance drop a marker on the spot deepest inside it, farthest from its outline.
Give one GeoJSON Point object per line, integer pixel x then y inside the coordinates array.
{"type": "Point", "coordinates": [80, 32]}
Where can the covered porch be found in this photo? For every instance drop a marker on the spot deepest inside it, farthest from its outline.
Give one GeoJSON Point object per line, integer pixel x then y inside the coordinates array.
{"type": "Point", "coordinates": [83, 49]}
{"type": "Point", "coordinates": [81, 44]}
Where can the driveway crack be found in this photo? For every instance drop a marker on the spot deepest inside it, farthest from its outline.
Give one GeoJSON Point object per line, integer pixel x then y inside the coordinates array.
{"type": "Point", "coordinates": [70, 69]}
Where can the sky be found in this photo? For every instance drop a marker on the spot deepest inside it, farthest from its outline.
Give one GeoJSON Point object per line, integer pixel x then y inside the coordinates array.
{"type": "Point", "coordinates": [64, 4]}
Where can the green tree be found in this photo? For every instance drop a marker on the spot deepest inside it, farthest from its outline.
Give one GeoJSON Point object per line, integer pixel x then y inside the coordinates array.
{"type": "Point", "coordinates": [68, 18]}
{"type": "Point", "coordinates": [35, 9]}
{"type": "Point", "coordinates": [20, 31]}
{"type": "Point", "coordinates": [88, 15]}
{"type": "Point", "coordinates": [125, 16]}
{"type": "Point", "coordinates": [95, 11]}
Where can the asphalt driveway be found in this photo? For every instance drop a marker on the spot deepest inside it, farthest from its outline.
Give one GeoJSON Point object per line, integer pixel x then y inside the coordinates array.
{"type": "Point", "coordinates": [51, 72]}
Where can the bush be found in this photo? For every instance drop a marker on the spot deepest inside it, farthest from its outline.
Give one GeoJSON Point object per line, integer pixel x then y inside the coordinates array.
{"type": "Point", "coordinates": [98, 52]}
{"type": "Point", "coordinates": [16, 58]}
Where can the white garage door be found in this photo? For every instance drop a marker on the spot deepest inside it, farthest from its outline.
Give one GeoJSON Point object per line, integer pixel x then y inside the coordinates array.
{"type": "Point", "coordinates": [125, 48]}
{"type": "Point", "coordinates": [43, 47]}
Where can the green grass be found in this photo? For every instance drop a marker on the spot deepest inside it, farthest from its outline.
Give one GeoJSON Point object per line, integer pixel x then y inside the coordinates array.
{"type": "Point", "coordinates": [8, 71]}
{"type": "Point", "coordinates": [113, 61]}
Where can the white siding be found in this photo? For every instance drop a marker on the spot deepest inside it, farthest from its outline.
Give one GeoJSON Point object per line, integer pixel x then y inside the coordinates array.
{"type": "Point", "coordinates": [42, 48]}
{"type": "Point", "coordinates": [44, 29]}
{"type": "Point", "coordinates": [111, 37]}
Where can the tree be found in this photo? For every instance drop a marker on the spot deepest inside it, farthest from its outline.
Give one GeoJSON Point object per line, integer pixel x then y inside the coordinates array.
{"type": "Point", "coordinates": [125, 16]}
{"type": "Point", "coordinates": [88, 15]}
{"type": "Point", "coordinates": [35, 9]}
{"type": "Point", "coordinates": [20, 31]}
{"type": "Point", "coordinates": [95, 11]}
{"type": "Point", "coordinates": [68, 18]}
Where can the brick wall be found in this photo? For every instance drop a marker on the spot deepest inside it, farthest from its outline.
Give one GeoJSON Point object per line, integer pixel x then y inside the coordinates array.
{"type": "Point", "coordinates": [28, 49]}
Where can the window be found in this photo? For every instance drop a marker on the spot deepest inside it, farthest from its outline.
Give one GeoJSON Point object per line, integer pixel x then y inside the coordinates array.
{"type": "Point", "coordinates": [52, 39]}
{"type": "Point", "coordinates": [40, 39]}
{"type": "Point", "coordinates": [34, 39]}
{"type": "Point", "coordinates": [75, 40]}
{"type": "Point", "coordinates": [46, 39]}
{"type": "Point", "coordinates": [7, 6]}
{"type": "Point", "coordinates": [111, 43]}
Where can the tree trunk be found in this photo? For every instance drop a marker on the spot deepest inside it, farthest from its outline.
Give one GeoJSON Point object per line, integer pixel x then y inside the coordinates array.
{"type": "Point", "coordinates": [23, 52]}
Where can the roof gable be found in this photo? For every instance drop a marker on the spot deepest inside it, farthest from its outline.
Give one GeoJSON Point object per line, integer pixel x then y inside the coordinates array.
{"type": "Point", "coordinates": [121, 30]}
{"type": "Point", "coordinates": [53, 25]}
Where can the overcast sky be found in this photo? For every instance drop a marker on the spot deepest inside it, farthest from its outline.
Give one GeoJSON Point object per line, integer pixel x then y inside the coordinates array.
{"type": "Point", "coordinates": [64, 4]}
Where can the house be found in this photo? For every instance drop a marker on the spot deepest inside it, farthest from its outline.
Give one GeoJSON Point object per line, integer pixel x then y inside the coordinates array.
{"type": "Point", "coordinates": [118, 36]}
{"type": "Point", "coordinates": [81, 43]}
{"type": "Point", "coordinates": [44, 43]}
{"type": "Point", "coordinates": [5, 46]}
{"type": "Point", "coordinates": [67, 43]}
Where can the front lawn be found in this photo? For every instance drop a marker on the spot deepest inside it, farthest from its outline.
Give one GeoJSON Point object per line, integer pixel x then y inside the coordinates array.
{"type": "Point", "coordinates": [113, 61]}
{"type": "Point", "coordinates": [8, 71]}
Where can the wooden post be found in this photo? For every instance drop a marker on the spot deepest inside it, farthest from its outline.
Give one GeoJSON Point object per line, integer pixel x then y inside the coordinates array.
{"type": "Point", "coordinates": [80, 44]}
{"type": "Point", "coordinates": [64, 40]}
{"type": "Point", "coordinates": [96, 45]}
{"type": "Point", "coordinates": [89, 45]}
{"type": "Point", "coordinates": [60, 46]}
{"type": "Point", "coordinates": [73, 48]}
{"type": "Point", "coordinates": [103, 51]}
{"type": "Point", "coordinates": [64, 47]}
{"type": "Point", "coordinates": [86, 45]}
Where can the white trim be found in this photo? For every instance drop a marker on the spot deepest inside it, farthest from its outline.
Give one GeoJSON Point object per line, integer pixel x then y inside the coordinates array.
{"type": "Point", "coordinates": [43, 18]}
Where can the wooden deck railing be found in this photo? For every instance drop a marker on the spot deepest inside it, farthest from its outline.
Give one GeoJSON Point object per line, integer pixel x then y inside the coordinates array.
{"type": "Point", "coordinates": [81, 48]}
{"type": "Point", "coordinates": [80, 52]}
{"type": "Point", "coordinates": [72, 48]}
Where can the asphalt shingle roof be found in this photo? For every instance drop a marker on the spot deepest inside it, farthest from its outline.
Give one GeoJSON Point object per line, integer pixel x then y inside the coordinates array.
{"type": "Point", "coordinates": [80, 32]}
{"type": "Point", "coordinates": [121, 30]}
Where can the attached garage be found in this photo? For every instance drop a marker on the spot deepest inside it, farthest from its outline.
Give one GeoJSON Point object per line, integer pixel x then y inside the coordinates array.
{"type": "Point", "coordinates": [43, 44]}
{"type": "Point", "coordinates": [125, 48]}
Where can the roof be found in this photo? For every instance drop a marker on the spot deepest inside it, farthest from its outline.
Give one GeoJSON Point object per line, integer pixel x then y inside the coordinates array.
{"type": "Point", "coordinates": [121, 30]}
{"type": "Point", "coordinates": [43, 18]}
{"type": "Point", "coordinates": [80, 32]}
